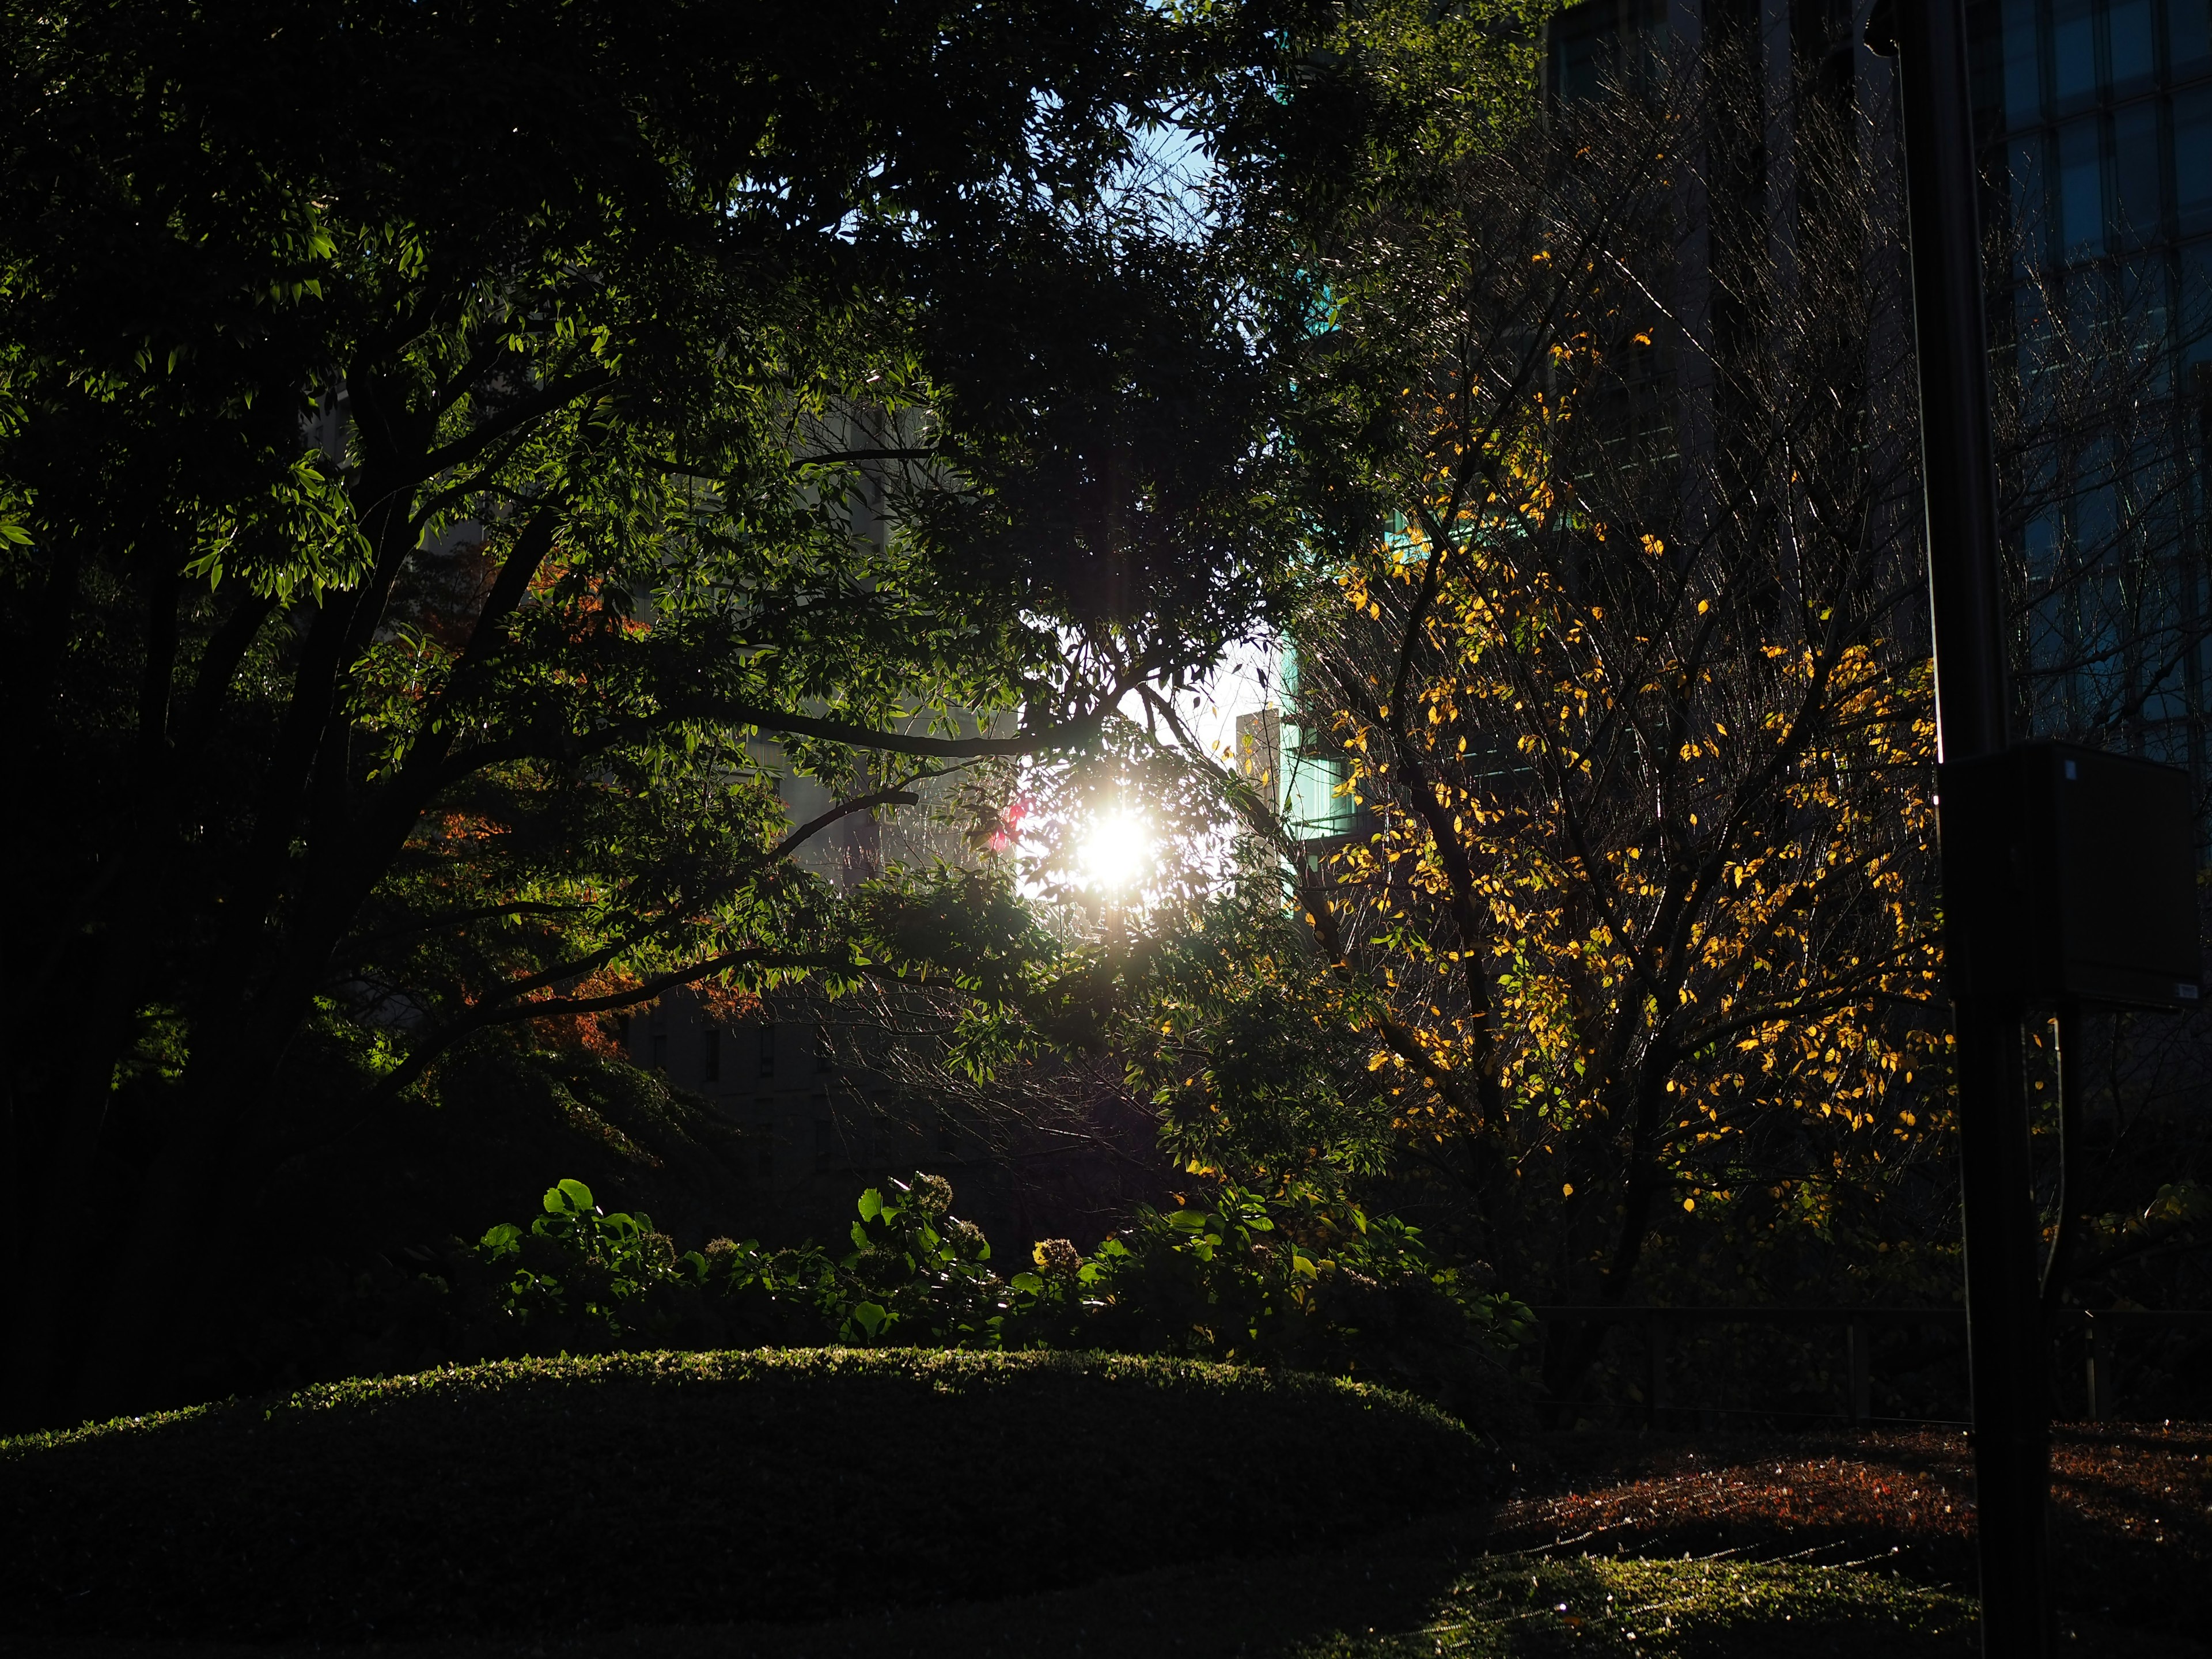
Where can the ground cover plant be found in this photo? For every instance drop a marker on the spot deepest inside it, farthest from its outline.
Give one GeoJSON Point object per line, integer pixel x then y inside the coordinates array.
{"type": "Point", "coordinates": [1232, 1275]}
{"type": "Point", "coordinates": [696, 1488]}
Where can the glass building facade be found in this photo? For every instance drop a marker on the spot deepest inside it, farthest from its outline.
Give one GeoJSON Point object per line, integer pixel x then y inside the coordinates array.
{"type": "Point", "coordinates": [2096, 120]}
{"type": "Point", "coordinates": [1313, 792]}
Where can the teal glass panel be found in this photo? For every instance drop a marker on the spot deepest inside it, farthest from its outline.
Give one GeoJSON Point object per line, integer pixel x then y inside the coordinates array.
{"type": "Point", "coordinates": [2023, 65]}
{"type": "Point", "coordinates": [2073, 54]}
{"type": "Point", "coordinates": [2127, 34]}
{"type": "Point", "coordinates": [2188, 37]}
{"type": "Point", "coordinates": [2137, 214]}
{"type": "Point", "coordinates": [1314, 801]}
{"type": "Point", "coordinates": [2193, 158]}
{"type": "Point", "coordinates": [2081, 189]}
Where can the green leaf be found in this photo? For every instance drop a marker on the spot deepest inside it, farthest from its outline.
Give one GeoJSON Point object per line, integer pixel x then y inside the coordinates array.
{"type": "Point", "coordinates": [1028, 1282]}
{"type": "Point", "coordinates": [872, 1204]}
{"type": "Point", "coordinates": [871, 1318]}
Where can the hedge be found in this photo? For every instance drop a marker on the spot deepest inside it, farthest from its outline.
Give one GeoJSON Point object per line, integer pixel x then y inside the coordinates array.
{"type": "Point", "coordinates": [673, 1488]}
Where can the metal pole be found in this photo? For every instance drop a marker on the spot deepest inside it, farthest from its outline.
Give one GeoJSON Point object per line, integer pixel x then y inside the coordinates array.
{"type": "Point", "coordinates": [1972, 703]}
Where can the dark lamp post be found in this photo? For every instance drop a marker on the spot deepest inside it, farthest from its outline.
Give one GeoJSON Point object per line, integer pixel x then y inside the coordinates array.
{"type": "Point", "coordinates": [2004, 1339]}
{"type": "Point", "coordinates": [2069, 874]}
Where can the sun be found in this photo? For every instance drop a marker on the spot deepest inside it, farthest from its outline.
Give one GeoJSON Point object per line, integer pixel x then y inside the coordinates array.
{"type": "Point", "coordinates": [1118, 853]}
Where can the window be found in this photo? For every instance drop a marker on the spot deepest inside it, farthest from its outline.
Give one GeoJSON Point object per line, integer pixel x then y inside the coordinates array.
{"type": "Point", "coordinates": [2080, 190]}
{"type": "Point", "coordinates": [1581, 42]}
{"type": "Point", "coordinates": [2127, 32]}
{"type": "Point", "coordinates": [825, 1143]}
{"type": "Point", "coordinates": [768, 1049]}
{"type": "Point", "coordinates": [710, 1055]}
{"type": "Point", "coordinates": [2192, 158]}
{"type": "Point", "coordinates": [1588, 42]}
{"type": "Point", "coordinates": [2023, 65]}
{"type": "Point", "coordinates": [2074, 57]}
{"type": "Point", "coordinates": [1316, 802]}
{"type": "Point", "coordinates": [660, 1051]}
{"type": "Point", "coordinates": [2188, 40]}
{"type": "Point", "coordinates": [2136, 213]}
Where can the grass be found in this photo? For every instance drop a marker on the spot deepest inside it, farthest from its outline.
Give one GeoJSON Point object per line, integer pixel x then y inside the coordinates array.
{"type": "Point", "coordinates": [671, 1489]}
{"type": "Point", "coordinates": [1598, 1605]}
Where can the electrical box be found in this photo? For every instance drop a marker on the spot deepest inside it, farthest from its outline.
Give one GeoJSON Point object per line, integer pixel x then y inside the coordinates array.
{"type": "Point", "coordinates": [2074, 873]}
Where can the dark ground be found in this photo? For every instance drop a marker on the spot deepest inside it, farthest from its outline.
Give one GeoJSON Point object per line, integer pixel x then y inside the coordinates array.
{"type": "Point", "coordinates": [2131, 1562]}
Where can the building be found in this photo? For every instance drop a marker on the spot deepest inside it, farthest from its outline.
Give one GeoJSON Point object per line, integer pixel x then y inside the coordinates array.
{"type": "Point", "coordinates": [2097, 117]}
{"type": "Point", "coordinates": [2095, 122]}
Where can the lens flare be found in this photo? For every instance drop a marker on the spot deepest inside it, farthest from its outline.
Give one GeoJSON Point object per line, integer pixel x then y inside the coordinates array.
{"type": "Point", "coordinates": [1118, 854]}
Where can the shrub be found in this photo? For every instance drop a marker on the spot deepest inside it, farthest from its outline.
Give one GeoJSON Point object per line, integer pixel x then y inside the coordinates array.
{"type": "Point", "coordinates": [1323, 1289]}
{"type": "Point", "coordinates": [671, 1488]}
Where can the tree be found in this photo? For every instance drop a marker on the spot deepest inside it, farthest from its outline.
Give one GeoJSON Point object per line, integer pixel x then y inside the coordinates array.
{"type": "Point", "coordinates": [1620, 651]}
{"type": "Point", "coordinates": [1617, 642]}
{"type": "Point", "coordinates": [453, 461]}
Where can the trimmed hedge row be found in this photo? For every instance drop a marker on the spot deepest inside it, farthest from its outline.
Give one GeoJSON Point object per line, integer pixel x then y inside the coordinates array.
{"type": "Point", "coordinates": [670, 1488]}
